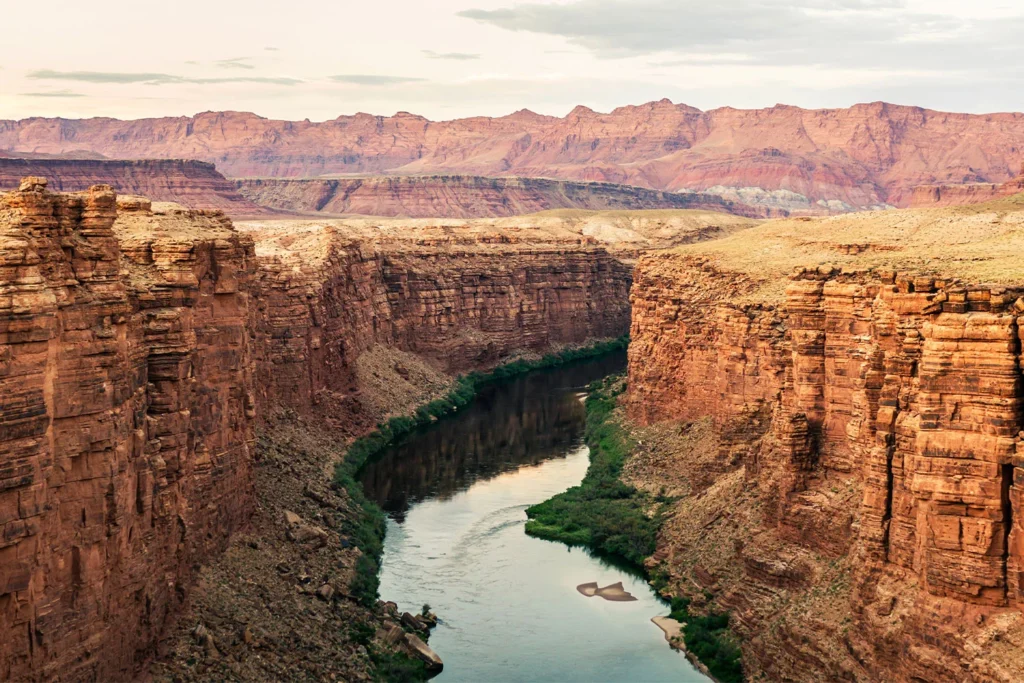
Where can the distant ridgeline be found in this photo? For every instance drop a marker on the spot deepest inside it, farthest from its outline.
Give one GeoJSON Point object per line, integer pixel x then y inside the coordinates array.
{"type": "Point", "coordinates": [194, 184]}
{"type": "Point", "coordinates": [467, 196]}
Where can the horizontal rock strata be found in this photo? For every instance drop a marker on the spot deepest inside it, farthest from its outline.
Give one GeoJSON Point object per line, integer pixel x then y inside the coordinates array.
{"type": "Point", "coordinates": [866, 155]}
{"type": "Point", "coordinates": [874, 420]}
{"type": "Point", "coordinates": [194, 184]}
{"type": "Point", "coordinates": [970, 193]}
{"type": "Point", "coordinates": [462, 302]}
{"type": "Point", "coordinates": [467, 196]}
{"type": "Point", "coordinates": [139, 340]}
{"type": "Point", "coordinates": [127, 405]}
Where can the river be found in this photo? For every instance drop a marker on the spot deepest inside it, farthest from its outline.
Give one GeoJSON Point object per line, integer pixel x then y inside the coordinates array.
{"type": "Point", "coordinates": [456, 495]}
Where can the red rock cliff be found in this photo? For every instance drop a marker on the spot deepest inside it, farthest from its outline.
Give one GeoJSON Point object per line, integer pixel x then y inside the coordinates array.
{"type": "Point", "coordinates": [970, 193]}
{"type": "Point", "coordinates": [127, 403]}
{"type": "Point", "coordinates": [193, 184]}
{"type": "Point", "coordinates": [862, 156]}
{"type": "Point", "coordinates": [864, 496]}
{"type": "Point", "coordinates": [462, 300]}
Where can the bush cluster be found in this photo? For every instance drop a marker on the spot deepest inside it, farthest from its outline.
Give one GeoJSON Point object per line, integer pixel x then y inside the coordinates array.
{"type": "Point", "coordinates": [708, 638]}
{"type": "Point", "coordinates": [602, 513]}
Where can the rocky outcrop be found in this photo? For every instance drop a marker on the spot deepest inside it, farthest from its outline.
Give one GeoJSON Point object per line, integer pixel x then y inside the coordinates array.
{"type": "Point", "coordinates": [868, 155]}
{"type": "Point", "coordinates": [127, 412]}
{"type": "Point", "coordinates": [460, 300]}
{"type": "Point", "coordinates": [194, 184]}
{"type": "Point", "coordinates": [467, 196]}
{"type": "Point", "coordinates": [861, 516]}
{"type": "Point", "coordinates": [970, 193]}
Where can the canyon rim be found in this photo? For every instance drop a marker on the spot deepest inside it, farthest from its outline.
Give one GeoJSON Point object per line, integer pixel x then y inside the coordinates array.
{"type": "Point", "coordinates": [590, 391]}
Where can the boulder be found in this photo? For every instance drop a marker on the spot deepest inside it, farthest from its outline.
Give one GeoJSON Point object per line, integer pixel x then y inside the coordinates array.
{"type": "Point", "coordinates": [422, 651]}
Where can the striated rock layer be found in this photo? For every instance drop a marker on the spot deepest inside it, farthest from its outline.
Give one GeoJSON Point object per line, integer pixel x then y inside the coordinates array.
{"type": "Point", "coordinates": [867, 155]}
{"type": "Point", "coordinates": [193, 184]}
{"type": "Point", "coordinates": [127, 406]}
{"type": "Point", "coordinates": [462, 300]}
{"type": "Point", "coordinates": [861, 516]}
{"type": "Point", "coordinates": [970, 193]}
{"type": "Point", "coordinates": [467, 196]}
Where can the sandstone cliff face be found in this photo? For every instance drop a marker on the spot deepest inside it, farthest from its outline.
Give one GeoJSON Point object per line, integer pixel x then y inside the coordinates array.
{"type": "Point", "coordinates": [461, 301]}
{"type": "Point", "coordinates": [467, 196]}
{"type": "Point", "coordinates": [127, 409]}
{"type": "Point", "coordinates": [864, 156]}
{"type": "Point", "coordinates": [193, 184]}
{"type": "Point", "coordinates": [970, 193]}
{"type": "Point", "coordinates": [864, 495]}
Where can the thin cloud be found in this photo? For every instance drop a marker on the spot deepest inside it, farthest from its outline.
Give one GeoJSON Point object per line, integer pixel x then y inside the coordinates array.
{"type": "Point", "coordinates": [457, 56]}
{"type": "Point", "coordinates": [150, 78]}
{"type": "Point", "coordinates": [53, 93]}
{"type": "Point", "coordinates": [272, 49]}
{"type": "Point", "coordinates": [370, 79]}
{"type": "Point", "coordinates": [102, 76]}
{"type": "Point", "coordinates": [234, 63]}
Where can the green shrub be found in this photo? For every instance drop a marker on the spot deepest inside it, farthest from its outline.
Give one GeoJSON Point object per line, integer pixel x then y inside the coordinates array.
{"type": "Point", "coordinates": [397, 667]}
{"type": "Point", "coordinates": [708, 638]}
{"type": "Point", "coordinates": [602, 513]}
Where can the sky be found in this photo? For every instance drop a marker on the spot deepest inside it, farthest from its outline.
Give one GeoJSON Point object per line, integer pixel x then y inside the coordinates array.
{"type": "Point", "coordinates": [445, 59]}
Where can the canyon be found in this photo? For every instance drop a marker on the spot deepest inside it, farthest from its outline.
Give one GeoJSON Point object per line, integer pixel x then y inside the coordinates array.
{"type": "Point", "coordinates": [468, 196]}
{"type": "Point", "coordinates": [193, 184]}
{"type": "Point", "coordinates": [839, 403]}
{"type": "Point", "coordinates": [824, 161]}
{"type": "Point", "coordinates": [460, 298]}
{"type": "Point", "coordinates": [832, 406]}
{"type": "Point", "coordinates": [177, 386]}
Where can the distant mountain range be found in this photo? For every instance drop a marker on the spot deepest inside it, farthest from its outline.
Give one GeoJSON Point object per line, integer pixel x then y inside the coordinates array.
{"type": "Point", "coordinates": [828, 160]}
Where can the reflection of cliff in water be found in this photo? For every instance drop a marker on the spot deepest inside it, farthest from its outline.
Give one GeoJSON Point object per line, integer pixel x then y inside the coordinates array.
{"type": "Point", "coordinates": [523, 422]}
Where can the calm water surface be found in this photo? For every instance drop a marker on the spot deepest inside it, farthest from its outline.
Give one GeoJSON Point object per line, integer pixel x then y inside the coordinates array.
{"type": "Point", "coordinates": [456, 496]}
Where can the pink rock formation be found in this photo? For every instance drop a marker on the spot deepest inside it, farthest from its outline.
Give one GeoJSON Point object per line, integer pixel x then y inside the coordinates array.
{"type": "Point", "coordinates": [866, 155]}
{"type": "Point", "coordinates": [969, 193]}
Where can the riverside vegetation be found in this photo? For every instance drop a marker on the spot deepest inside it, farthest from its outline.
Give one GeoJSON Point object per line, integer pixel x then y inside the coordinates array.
{"type": "Point", "coordinates": [367, 532]}
{"type": "Point", "coordinates": [602, 513]}
{"type": "Point", "coordinates": [614, 519]}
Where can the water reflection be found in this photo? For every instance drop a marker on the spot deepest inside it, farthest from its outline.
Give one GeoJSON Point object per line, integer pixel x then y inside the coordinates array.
{"type": "Point", "coordinates": [524, 422]}
{"type": "Point", "coordinates": [508, 603]}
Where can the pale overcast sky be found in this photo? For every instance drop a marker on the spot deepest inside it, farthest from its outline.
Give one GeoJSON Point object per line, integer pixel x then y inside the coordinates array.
{"type": "Point", "coordinates": [445, 59]}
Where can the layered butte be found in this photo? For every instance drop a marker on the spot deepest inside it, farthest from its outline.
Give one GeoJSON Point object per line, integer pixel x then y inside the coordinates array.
{"type": "Point", "coordinates": [853, 387]}
{"type": "Point", "coordinates": [968, 193]}
{"type": "Point", "coordinates": [193, 184]}
{"type": "Point", "coordinates": [826, 160]}
{"type": "Point", "coordinates": [468, 196]}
